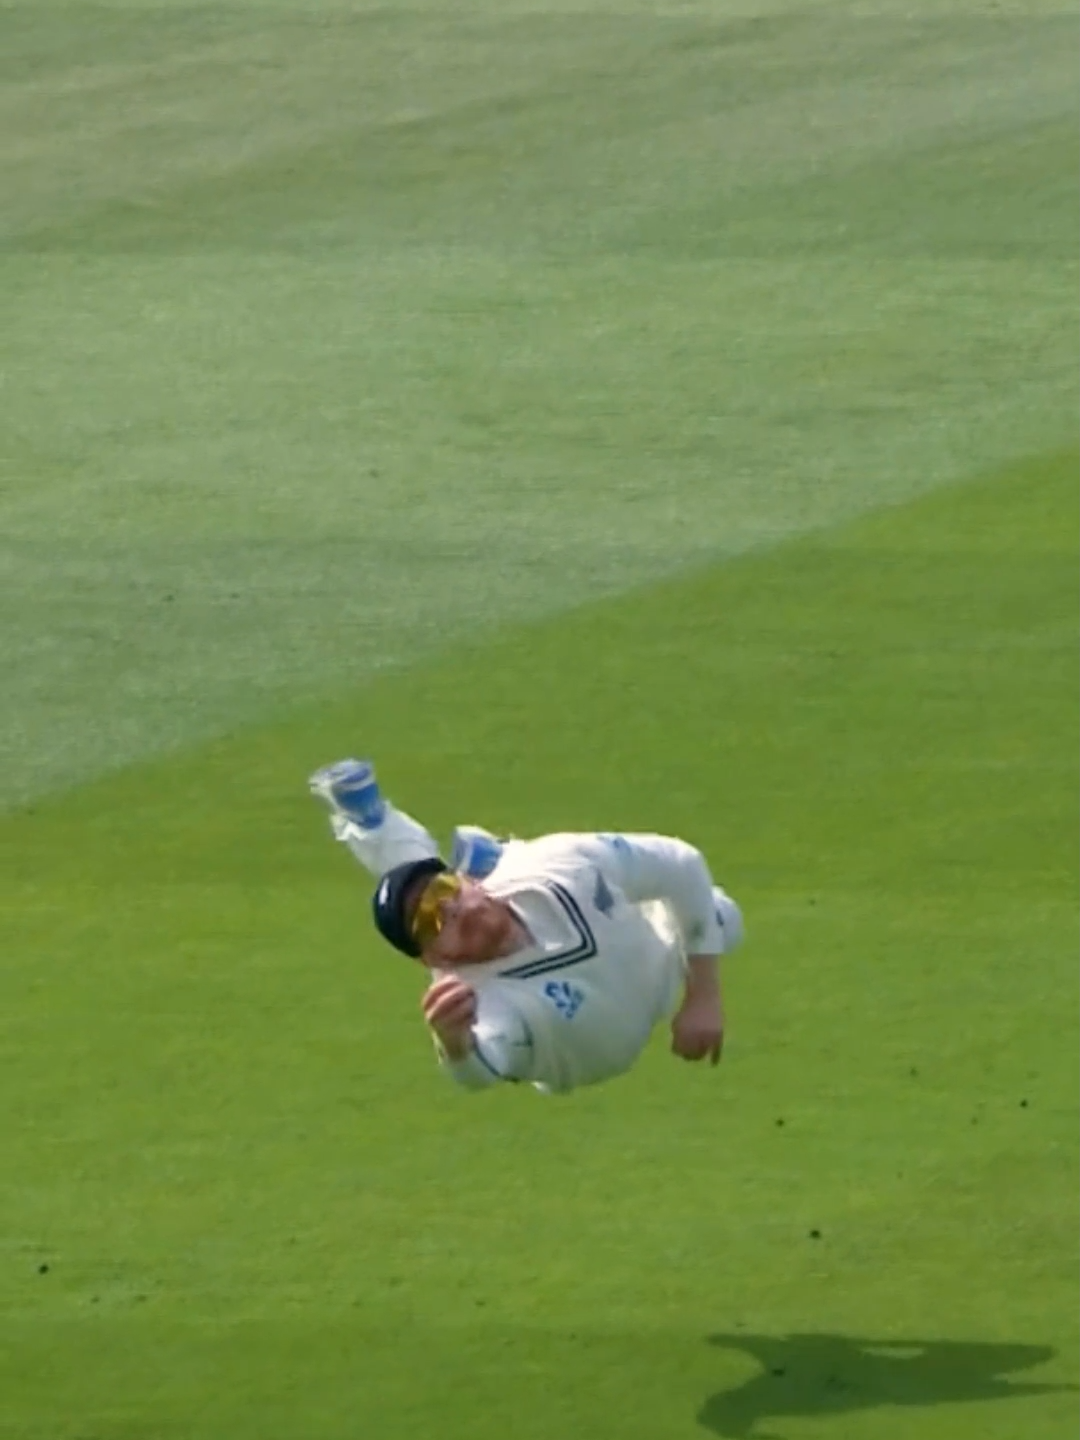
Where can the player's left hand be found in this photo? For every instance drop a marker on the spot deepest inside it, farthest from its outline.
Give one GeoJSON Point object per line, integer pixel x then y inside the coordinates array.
{"type": "Point", "coordinates": [449, 1007]}
{"type": "Point", "coordinates": [698, 1029]}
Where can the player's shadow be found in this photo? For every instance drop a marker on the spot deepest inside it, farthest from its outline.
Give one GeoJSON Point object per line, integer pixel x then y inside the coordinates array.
{"type": "Point", "coordinates": [806, 1375]}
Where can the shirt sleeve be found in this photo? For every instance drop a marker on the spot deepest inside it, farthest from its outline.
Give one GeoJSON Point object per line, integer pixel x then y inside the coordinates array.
{"type": "Point", "coordinates": [502, 1048]}
{"type": "Point", "coordinates": [660, 867]}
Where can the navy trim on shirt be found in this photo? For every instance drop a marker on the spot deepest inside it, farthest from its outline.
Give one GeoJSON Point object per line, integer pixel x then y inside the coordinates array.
{"type": "Point", "coordinates": [585, 949]}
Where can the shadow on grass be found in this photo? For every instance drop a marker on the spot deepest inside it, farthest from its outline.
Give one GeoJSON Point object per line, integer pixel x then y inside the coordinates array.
{"type": "Point", "coordinates": [806, 1375]}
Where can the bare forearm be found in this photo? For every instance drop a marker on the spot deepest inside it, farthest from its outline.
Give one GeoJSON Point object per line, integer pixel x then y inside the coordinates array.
{"type": "Point", "coordinates": [703, 977]}
{"type": "Point", "coordinates": [698, 1028]}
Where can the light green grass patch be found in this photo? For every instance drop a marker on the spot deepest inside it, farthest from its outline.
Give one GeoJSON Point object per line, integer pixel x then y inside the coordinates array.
{"type": "Point", "coordinates": [326, 332]}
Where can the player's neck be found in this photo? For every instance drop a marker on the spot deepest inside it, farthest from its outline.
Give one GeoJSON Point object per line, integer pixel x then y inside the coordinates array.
{"type": "Point", "coordinates": [515, 936]}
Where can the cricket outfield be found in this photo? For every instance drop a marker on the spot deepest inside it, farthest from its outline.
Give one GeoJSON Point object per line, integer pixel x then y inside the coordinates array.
{"type": "Point", "coordinates": [606, 417]}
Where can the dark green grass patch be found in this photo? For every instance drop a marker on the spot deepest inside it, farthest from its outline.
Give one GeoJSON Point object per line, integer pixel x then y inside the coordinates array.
{"type": "Point", "coordinates": [239, 1203]}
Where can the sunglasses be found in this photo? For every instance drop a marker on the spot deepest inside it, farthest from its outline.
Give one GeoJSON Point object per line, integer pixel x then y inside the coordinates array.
{"type": "Point", "coordinates": [427, 918]}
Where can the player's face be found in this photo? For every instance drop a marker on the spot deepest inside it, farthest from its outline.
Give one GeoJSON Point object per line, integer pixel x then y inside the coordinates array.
{"type": "Point", "coordinates": [464, 924]}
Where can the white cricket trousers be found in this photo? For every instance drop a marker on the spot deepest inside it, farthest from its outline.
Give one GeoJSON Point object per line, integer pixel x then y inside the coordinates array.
{"type": "Point", "coordinates": [399, 838]}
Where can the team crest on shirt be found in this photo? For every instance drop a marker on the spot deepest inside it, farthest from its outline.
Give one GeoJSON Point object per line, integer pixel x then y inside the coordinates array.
{"type": "Point", "coordinates": [602, 897]}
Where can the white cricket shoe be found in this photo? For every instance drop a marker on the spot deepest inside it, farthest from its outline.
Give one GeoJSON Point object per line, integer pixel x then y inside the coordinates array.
{"type": "Point", "coordinates": [475, 852]}
{"type": "Point", "coordinates": [350, 788]}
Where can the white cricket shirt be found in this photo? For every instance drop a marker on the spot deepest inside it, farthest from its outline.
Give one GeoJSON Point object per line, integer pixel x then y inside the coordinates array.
{"type": "Point", "coordinates": [612, 918]}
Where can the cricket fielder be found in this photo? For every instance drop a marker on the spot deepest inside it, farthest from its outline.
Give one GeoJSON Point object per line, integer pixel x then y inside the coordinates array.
{"type": "Point", "coordinates": [552, 959]}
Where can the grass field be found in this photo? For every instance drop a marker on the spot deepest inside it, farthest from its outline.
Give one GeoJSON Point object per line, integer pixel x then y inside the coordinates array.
{"type": "Point", "coordinates": [606, 417]}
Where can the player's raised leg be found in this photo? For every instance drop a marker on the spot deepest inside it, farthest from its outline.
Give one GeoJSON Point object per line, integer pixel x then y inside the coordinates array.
{"type": "Point", "coordinates": [475, 851]}
{"type": "Point", "coordinates": [377, 833]}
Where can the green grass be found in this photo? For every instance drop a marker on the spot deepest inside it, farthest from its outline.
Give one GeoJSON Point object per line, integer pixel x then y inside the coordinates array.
{"type": "Point", "coordinates": [325, 329]}
{"type": "Point", "coordinates": [503, 391]}
{"type": "Point", "coordinates": [264, 1213]}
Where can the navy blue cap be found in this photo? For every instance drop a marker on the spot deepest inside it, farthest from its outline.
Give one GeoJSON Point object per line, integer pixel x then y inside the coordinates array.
{"type": "Point", "coordinates": [388, 902]}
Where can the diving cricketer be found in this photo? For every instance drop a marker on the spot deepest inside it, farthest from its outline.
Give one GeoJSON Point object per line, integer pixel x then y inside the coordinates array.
{"type": "Point", "coordinates": [551, 960]}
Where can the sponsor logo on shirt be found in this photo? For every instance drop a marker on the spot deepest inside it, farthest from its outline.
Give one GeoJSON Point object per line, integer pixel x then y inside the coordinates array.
{"type": "Point", "coordinates": [566, 998]}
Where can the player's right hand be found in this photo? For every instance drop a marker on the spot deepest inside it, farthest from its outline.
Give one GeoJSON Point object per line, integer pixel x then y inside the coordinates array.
{"type": "Point", "coordinates": [449, 1008]}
